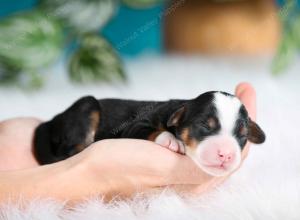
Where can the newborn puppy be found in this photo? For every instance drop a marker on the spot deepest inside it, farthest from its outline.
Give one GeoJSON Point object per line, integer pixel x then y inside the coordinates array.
{"type": "Point", "coordinates": [211, 129]}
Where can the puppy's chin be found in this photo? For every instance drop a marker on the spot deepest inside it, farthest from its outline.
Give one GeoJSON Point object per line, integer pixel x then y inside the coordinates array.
{"type": "Point", "coordinates": [216, 169]}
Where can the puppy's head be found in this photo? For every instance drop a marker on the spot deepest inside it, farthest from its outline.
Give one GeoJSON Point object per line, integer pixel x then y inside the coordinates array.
{"type": "Point", "coordinates": [215, 128]}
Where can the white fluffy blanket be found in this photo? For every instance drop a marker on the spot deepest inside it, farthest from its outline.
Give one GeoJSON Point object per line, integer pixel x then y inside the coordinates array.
{"type": "Point", "coordinates": [266, 187]}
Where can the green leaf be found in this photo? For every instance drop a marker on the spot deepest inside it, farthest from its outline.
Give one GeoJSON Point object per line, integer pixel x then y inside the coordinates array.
{"type": "Point", "coordinates": [285, 54]}
{"type": "Point", "coordinates": [30, 40]}
{"type": "Point", "coordinates": [290, 42]}
{"type": "Point", "coordinates": [287, 10]}
{"type": "Point", "coordinates": [8, 73]}
{"type": "Point", "coordinates": [141, 3]}
{"type": "Point", "coordinates": [95, 60]}
{"type": "Point", "coordinates": [81, 16]}
{"type": "Point", "coordinates": [295, 30]}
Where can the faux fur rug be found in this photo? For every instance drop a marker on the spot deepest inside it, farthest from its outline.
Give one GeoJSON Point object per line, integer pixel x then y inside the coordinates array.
{"type": "Point", "coordinates": [266, 187]}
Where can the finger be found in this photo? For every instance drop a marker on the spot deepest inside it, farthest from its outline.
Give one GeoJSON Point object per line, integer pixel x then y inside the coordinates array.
{"type": "Point", "coordinates": [182, 170]}
{"type": "Point", "coordinates": [198, 189]}
{"type": "Point", "coordinates": [246, 93]}
{"type": "Point", "coordinates": [155, 164]}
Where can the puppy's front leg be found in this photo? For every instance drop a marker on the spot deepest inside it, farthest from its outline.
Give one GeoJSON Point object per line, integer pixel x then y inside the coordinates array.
{"type": "Point", "coordinates": [168, 140]}
{"type": "Point", "coordinates": [142, 130]}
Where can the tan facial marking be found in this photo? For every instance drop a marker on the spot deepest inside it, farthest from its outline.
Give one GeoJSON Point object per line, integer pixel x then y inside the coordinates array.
{"type": "Point", "coordinates": [185, 135]}
{"type": "Point", "coordinates": [187, 140]}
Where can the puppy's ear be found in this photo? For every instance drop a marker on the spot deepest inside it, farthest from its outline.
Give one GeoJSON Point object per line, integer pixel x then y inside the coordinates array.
{"type": "Point", "coordinates": [175, 117]}
{"type": "Point", "coordinates": [255, 134]}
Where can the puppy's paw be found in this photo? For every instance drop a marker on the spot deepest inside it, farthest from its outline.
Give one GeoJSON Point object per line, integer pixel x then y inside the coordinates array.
{"type": "Point", "coordinates": [168, 140]}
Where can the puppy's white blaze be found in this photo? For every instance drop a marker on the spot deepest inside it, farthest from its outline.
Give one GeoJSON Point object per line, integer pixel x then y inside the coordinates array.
{"type": "Point", "coordinates": [227, 111]}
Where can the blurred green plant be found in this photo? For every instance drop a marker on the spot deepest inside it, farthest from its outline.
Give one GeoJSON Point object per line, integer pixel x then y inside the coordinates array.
{"type": "Point", "coordinates": [8, 73]}
{"type": "Point", "coordinates": [81, 16]}
{"type": "Point", "coordinates": [28, 42]}
{"type": "Point", "coordinates": [141, 3]}
{"type": "Point", "coordinates": [95, 59]}
{"type": "Point", "coordinates": [32, 40]}
{"type": "Point", "coordinates": [290, 43]}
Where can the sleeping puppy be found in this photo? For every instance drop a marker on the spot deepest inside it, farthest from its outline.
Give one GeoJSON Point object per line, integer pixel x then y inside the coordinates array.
{"type": "Point", "coordinates": [212, 129]}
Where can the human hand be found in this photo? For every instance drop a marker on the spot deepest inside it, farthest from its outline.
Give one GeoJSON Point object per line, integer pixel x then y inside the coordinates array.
{"type": "Point", "coordinates": [16, 143]}
{"type": "Point", "coordinates": [108, 167]}
{"type": "Point", "coordinates": [128, 166]}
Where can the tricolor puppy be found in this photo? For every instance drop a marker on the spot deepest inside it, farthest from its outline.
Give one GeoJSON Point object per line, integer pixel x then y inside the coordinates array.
{"type": "Point", "coordinates": [211, 129]}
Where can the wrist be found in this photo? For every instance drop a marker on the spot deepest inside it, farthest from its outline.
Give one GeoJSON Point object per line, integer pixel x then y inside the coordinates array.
{"type": "Point", "coordinates": [64, 181]}
{"type": "Point", "coordinates": [23, 184]}
{"type": "Point", "coordinates": [72, 180]}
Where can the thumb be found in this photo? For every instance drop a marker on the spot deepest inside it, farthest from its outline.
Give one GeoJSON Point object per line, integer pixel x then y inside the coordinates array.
{"type": "Point", "coordinates": [246, 93]}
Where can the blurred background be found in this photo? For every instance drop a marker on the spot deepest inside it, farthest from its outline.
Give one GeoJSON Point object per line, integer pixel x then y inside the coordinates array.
{"type": "Point", "coordinates": [54, 51]}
